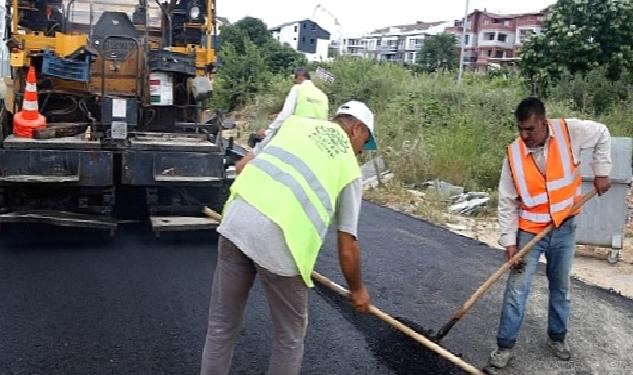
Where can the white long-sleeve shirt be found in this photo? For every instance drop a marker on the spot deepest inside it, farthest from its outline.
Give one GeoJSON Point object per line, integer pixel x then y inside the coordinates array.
{"type": "Point", "coordinates": [288, 109]}
{"type": "Point", "coordinates": [584, 134]}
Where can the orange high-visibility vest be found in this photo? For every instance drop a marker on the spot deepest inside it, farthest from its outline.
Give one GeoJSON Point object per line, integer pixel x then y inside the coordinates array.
{"type": "Point", "coordinates": [549, 197]}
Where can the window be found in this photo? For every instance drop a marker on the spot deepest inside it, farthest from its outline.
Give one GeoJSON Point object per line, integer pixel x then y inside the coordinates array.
{"type": "Point", "coordinates": [305, 25]}
{"type": "Point", "coordinates": [489, 36]}
{"type": "Point", "coordinates": [303, 39]}
{"type": "Point", "coordinates": [499, 54]}
{"type": "Point", "coordinates": [295, 28]}
{"type": "Point", "coordinates": [489, 53]}
{"type": "Point", "coordinates": [311, 41]}
{"type": "Point", "coordinates": [524, 34]}
{"type": "Point", "coordinates": [467, 40]}
{"type": "Point", "coordinates": [314, 26]}
{"type": "Point", "coordinates": [502, 37]}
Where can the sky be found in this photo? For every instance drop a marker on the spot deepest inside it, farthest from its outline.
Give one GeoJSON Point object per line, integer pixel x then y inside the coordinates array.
{"type": "Point", "coordinates": [358, 16]}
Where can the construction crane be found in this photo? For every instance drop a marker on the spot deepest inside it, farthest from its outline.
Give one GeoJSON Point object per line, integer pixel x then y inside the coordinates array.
{"type": "Point", "coordinates": [323, 9]}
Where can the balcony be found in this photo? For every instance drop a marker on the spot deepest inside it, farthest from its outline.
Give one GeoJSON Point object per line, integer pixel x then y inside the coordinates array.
{"type": "Point", "coordinates": [496, 39]}
{"type": "Point", "coordinates": [354, 50]}
{"type": "Point", "coordinates": [356, 54]}
{"type": "Point", "coordinates": [353, 43]}
{"type": "Point", "coordinates": [497, 27]}
{"type": "Point", "coordinates": [389, 49]}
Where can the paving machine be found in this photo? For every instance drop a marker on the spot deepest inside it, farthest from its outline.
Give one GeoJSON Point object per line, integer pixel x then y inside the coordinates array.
{"type": "Point", "coordinates": [117, 124]}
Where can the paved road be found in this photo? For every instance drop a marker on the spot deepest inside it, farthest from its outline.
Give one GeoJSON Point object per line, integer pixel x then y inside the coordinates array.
{"type": "Point", "coordinates": [78, 302]}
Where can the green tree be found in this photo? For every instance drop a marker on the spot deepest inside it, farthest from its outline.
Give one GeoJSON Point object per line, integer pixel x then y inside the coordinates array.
{"type": "Point", "coordinates": [249, 28]}
{"type": "Point", "coordinates": [438, 53]}
{"type": "Point", "coordinates": [241, 75]}
{"type": "Point", "coordinates": [579, 36]}
{"type": "Point", "coordinates": [280, 58]}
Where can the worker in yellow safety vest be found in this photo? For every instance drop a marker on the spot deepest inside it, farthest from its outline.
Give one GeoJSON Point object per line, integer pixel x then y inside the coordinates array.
{"type": "Point", "coordinates": [274, 224]}
{"type": "Point", "coordinates": [540, 182]}
{"type": "Point", "coordinates": [304, 100]}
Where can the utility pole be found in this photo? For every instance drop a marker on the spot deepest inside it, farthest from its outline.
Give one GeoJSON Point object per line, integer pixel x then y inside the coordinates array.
{"type": "Point", "coordinates": [463, 43]}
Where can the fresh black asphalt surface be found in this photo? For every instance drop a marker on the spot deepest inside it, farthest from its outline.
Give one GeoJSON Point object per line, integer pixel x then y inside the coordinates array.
{"type": "Point", "coordinates": [79, 302]}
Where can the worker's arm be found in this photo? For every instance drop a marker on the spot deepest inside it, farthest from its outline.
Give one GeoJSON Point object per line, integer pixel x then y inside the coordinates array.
{"type": "Point", "coordinates": [592, 135]}
{"type": "Point", "coordinates": [239, 166]}
{"type": "Point", "coordinates": [349, 258]}
{"type": "Point", "coordinates": [348, 206]}
{"type": "Point", "coordinates": [508, 211]}
{"type": "Point", "coordinates": [287, 111]}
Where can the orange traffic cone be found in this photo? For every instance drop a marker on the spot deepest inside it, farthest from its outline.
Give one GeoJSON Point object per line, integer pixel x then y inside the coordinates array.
{"type": "Point", "coordinates": [29, 118]}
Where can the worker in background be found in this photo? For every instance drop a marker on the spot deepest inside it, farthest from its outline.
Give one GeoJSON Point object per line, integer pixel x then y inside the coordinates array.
{"type": "Point", "coordinates": [540, 182]}
{"type": "Point", "coordinates": [310, 169]}
{"type": "Point", "coordinates": [304, 100]}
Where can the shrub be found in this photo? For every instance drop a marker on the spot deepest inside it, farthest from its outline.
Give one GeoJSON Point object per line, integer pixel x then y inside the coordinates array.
{"type": "Point", "coordinates": [428, 126]}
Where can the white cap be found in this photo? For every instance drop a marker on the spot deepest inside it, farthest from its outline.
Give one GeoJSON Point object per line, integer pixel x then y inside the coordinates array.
{"type": "Point", "coordinates": [361, 112]}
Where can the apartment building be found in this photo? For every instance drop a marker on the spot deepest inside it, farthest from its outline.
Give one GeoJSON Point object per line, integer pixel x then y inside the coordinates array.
{"type": "Point", "coordinates": [493, 40]}
{"type": "Point", "coordinates": [398, 44]}
{"type": "Point", "coordinates": [304, 36]}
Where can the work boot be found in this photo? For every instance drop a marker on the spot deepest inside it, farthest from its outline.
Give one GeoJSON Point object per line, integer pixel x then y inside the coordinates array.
{"type": "Point", "coordinates": [560, 349]}
{"type": "Point", "coordinates": [500, 357]}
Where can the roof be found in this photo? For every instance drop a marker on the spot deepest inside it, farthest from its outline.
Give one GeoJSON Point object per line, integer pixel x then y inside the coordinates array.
{"type": "Point", "coordinates": [284, 25]}
{"type": "Point", "coordinates": [292, 23]}
{"type": "Point", "coordinates": [508, 15]}
{"type": "Point", "coordinates": [418, 26]}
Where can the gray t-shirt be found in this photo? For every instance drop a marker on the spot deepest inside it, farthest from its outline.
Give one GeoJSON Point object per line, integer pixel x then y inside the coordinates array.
{"type": "Point", "coordinates": [263, 241]}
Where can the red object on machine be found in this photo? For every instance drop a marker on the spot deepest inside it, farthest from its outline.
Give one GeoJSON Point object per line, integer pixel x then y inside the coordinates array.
{"type": "Point", "coordinates": [29, 118]}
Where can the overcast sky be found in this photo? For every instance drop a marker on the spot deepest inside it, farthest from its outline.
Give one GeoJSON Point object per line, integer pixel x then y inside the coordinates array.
{"type": "Point", "coordinates": [356, 16]}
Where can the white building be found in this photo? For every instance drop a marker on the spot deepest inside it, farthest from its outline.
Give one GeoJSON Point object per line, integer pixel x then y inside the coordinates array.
{"type": "Point", "coordinates": [394, 43]}
{"type": "Point", "coordinates": [306, 37]}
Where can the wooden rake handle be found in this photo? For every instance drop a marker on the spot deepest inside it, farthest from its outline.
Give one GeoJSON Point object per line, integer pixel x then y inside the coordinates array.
{"type": "Point", "coordinates": [383, 316]}
{"type": "Point", "coordinates": [504, 268]}
{"type": "Point", "coordinates": [401, 327]}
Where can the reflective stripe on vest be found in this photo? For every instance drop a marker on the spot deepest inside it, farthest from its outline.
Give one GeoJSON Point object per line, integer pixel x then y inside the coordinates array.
{"type": "Point", "coordinates": [537, 218]}
{"type": "Point", "coordinates": [295, 180]}
{"type": "Point", "coordinates": [566, 159]}
{"type": "Point", "coordinates": [311, 102]}
{"type": "Point", "coordinates": [305, 171]}
{"type": "Point", "coordinates": [291, 183]}
{"type": "Point", "coordinates": [548, 196]}
{"type": "Point", "coordinates": [527, 199]}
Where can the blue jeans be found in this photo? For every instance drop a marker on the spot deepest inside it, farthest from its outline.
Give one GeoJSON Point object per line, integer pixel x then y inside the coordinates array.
{"type": "Point", "coordinates": [559, 247]}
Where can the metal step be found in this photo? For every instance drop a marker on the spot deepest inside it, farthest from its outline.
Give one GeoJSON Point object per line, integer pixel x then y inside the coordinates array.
{"type": "Point", "coordinates": [181, 223]}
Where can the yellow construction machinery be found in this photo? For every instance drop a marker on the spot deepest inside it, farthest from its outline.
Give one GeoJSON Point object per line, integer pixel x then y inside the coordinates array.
{"type": "Point", "coordinates": [124, 87]}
